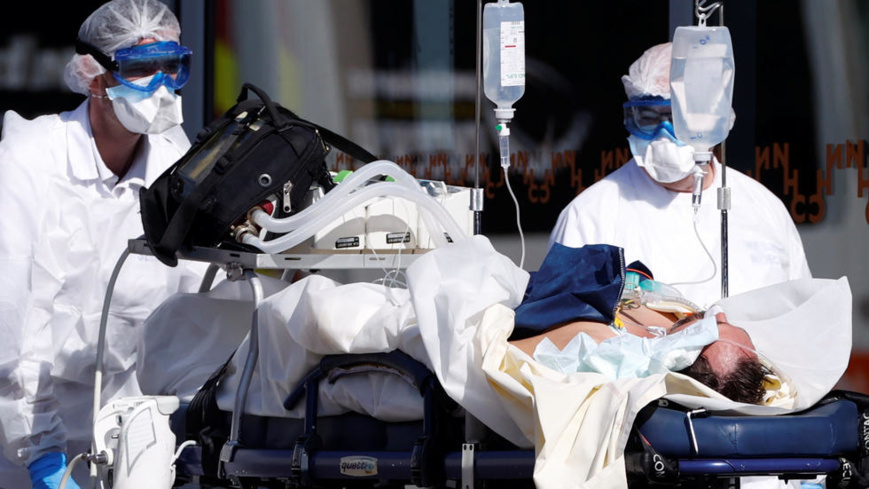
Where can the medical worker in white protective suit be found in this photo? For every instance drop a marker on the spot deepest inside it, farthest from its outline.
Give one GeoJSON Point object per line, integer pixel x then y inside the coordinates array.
{"type": "Point", "coordinates": [69, 187]}
{"type": "Point", "coordinates": [645, 206]}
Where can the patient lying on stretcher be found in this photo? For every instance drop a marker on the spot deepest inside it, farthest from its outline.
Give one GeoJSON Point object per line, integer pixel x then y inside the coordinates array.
{"type": "Point", "coordinates": [437, 320]}
{"type": "Point", "coordinates": [728, 365]}
{"type": "Point", "coordinates": [471, 315]}
{"type": "Point", "coordinates": [648, 332]}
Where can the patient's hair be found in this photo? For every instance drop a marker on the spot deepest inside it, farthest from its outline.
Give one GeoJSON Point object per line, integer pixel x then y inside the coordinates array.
{"type": "Point", "coordinates": [743, 384]}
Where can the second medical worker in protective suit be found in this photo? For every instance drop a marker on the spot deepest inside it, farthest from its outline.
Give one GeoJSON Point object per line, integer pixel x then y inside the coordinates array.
{"type": "Point", "coordinates": [69, 188]}
{"type": "Point", "coordinates": [645, 206]}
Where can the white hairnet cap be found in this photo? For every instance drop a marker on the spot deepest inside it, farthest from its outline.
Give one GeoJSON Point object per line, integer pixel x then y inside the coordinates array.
{"type": "Point", "coordinates": [115, 25]}
{"type": "Point", "coordinates": [649, 75]}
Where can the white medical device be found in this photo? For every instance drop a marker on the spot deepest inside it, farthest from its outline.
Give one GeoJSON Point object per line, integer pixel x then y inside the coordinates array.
{"type": "Point", "coordinates": [387, 224]}
{"type": "Point", "coordinates": [135, 437]}
{"type": "Point", "coordinates": [133, 445]}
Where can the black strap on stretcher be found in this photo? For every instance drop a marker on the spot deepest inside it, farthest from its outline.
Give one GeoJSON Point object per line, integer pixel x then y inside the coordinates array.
{"type": "Point", "coordinates": [205, 423]}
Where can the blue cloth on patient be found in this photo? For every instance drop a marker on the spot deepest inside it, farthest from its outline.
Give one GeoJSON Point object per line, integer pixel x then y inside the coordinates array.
{"type": "Point", "coordinates": [572, 284]}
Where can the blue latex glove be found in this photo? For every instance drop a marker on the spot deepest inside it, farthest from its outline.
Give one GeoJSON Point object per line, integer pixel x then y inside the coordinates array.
{"type": "Point", "coordinates": [47, 471]}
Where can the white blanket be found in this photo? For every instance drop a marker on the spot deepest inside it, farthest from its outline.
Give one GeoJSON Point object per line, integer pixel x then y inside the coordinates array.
{"type": "Point", "coordinates": [456, 316]}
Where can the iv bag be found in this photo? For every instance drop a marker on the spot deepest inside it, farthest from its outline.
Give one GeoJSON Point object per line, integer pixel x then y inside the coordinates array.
{"type": "Point", "coordinates": [701, 85]}
{"type": "Point", "coordinates": [504, 54]}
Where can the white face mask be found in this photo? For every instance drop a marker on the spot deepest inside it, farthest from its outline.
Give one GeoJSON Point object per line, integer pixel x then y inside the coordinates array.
{"type": "Point", "coordinates": [146, 113]}
{"type": "Point", "coordinates": [663, 159]}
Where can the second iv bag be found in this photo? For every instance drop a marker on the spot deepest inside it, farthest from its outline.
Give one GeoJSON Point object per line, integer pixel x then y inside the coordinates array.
{"type": "Point", "coordinates": [701, 85]}
{"type": "Point", "coordinates": [504, 55]}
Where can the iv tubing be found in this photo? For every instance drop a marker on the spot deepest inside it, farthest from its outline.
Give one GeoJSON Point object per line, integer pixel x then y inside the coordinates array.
{"type": "Point", "coordinates": [708, 254]}
{"type": "Point", "coordinates": [518, 221]}
{"type": "Point", "coordinates": [504, 146]}
{"type": "Point", "coordinates": [329, 214]}
{"type": "Point", "coordinates": [356, 179]}
{"type": "Point", "coordinates": [431, 209]}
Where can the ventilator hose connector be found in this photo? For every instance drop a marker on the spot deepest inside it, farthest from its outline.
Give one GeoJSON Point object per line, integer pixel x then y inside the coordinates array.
{"type": "Point", "coordinates": [101, 458]}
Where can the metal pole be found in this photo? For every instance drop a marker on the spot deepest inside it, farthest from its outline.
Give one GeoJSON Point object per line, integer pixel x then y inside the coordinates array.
{"type": "Point", "coordinates": [477, 192]}
{"type": "Point", "coordinates": [474, 429]}
{"type": "Point", "coordinates": [723, 201]}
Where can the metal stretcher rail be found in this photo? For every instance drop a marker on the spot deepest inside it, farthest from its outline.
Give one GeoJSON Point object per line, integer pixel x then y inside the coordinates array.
{"type": "Point", "coordinates": [285, 261]}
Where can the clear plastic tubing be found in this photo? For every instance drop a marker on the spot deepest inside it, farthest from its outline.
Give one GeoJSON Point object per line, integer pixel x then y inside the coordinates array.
{"type": "Point", "coordinates": [324, 215]}
{"type": "Point", "coordinates": [356, 179]}
{"type": "Point", "coordinates": [701, 86]}
{"type": "Point", "coordinates": [503, 55]}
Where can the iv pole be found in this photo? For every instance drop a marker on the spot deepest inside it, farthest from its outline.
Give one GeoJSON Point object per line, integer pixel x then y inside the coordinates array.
{"type": "Point", "coordinates": [723, 199]}
{"type": "Point", "coordinates": [475, 431]}
{"type": "Point", "coordinates": [477, 192]}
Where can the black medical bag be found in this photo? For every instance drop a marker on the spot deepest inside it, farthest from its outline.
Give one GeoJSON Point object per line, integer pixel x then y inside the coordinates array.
{"type": "Point", "coordinates": [256, 150]}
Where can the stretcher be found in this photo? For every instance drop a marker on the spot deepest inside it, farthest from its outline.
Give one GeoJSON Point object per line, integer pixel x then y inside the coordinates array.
{"type": "Point", "coordinates": [671, 445]}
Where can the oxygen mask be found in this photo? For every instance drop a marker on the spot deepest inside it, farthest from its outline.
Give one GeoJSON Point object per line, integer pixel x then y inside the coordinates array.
{"type": "Point", "coordinates": [657, 296]}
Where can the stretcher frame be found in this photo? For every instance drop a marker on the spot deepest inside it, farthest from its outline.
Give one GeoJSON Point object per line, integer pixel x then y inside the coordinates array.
{"type": "Point", "coordinates": [670, 446]}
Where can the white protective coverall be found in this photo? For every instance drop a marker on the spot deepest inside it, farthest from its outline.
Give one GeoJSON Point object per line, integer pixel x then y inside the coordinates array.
{"type": "Point", "coordinates": [655, 225]}
{"type": "Point", "coordinates": [67, 221]}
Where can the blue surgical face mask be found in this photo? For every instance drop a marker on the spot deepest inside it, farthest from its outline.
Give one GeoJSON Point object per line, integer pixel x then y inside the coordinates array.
{"type": "Point", "coordinates": [630, 356]}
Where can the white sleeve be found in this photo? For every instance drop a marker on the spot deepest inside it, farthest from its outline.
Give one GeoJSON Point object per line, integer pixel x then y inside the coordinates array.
{"type": "Point", "coordinates": [580, 223]}
{"type": "Point", "coordinates": [798, 265]}
{"type": "Point", "coordinates": [30, 423]}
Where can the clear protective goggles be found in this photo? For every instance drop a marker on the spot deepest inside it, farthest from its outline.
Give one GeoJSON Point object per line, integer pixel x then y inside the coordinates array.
{"type": "Point", "coordinates": [646, 118]}
{"type": "Point", "coordinates": [167, 61]}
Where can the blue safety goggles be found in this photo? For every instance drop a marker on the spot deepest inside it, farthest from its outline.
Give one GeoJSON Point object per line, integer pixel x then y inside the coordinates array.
{"type": "Point", "coordinates": [646, 118]}
{"type": "Point", "coordinates": [166, 61]}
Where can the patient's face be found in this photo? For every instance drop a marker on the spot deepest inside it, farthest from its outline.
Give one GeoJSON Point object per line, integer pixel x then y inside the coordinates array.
{"type": "Point", "coordinates": [733, 345]}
